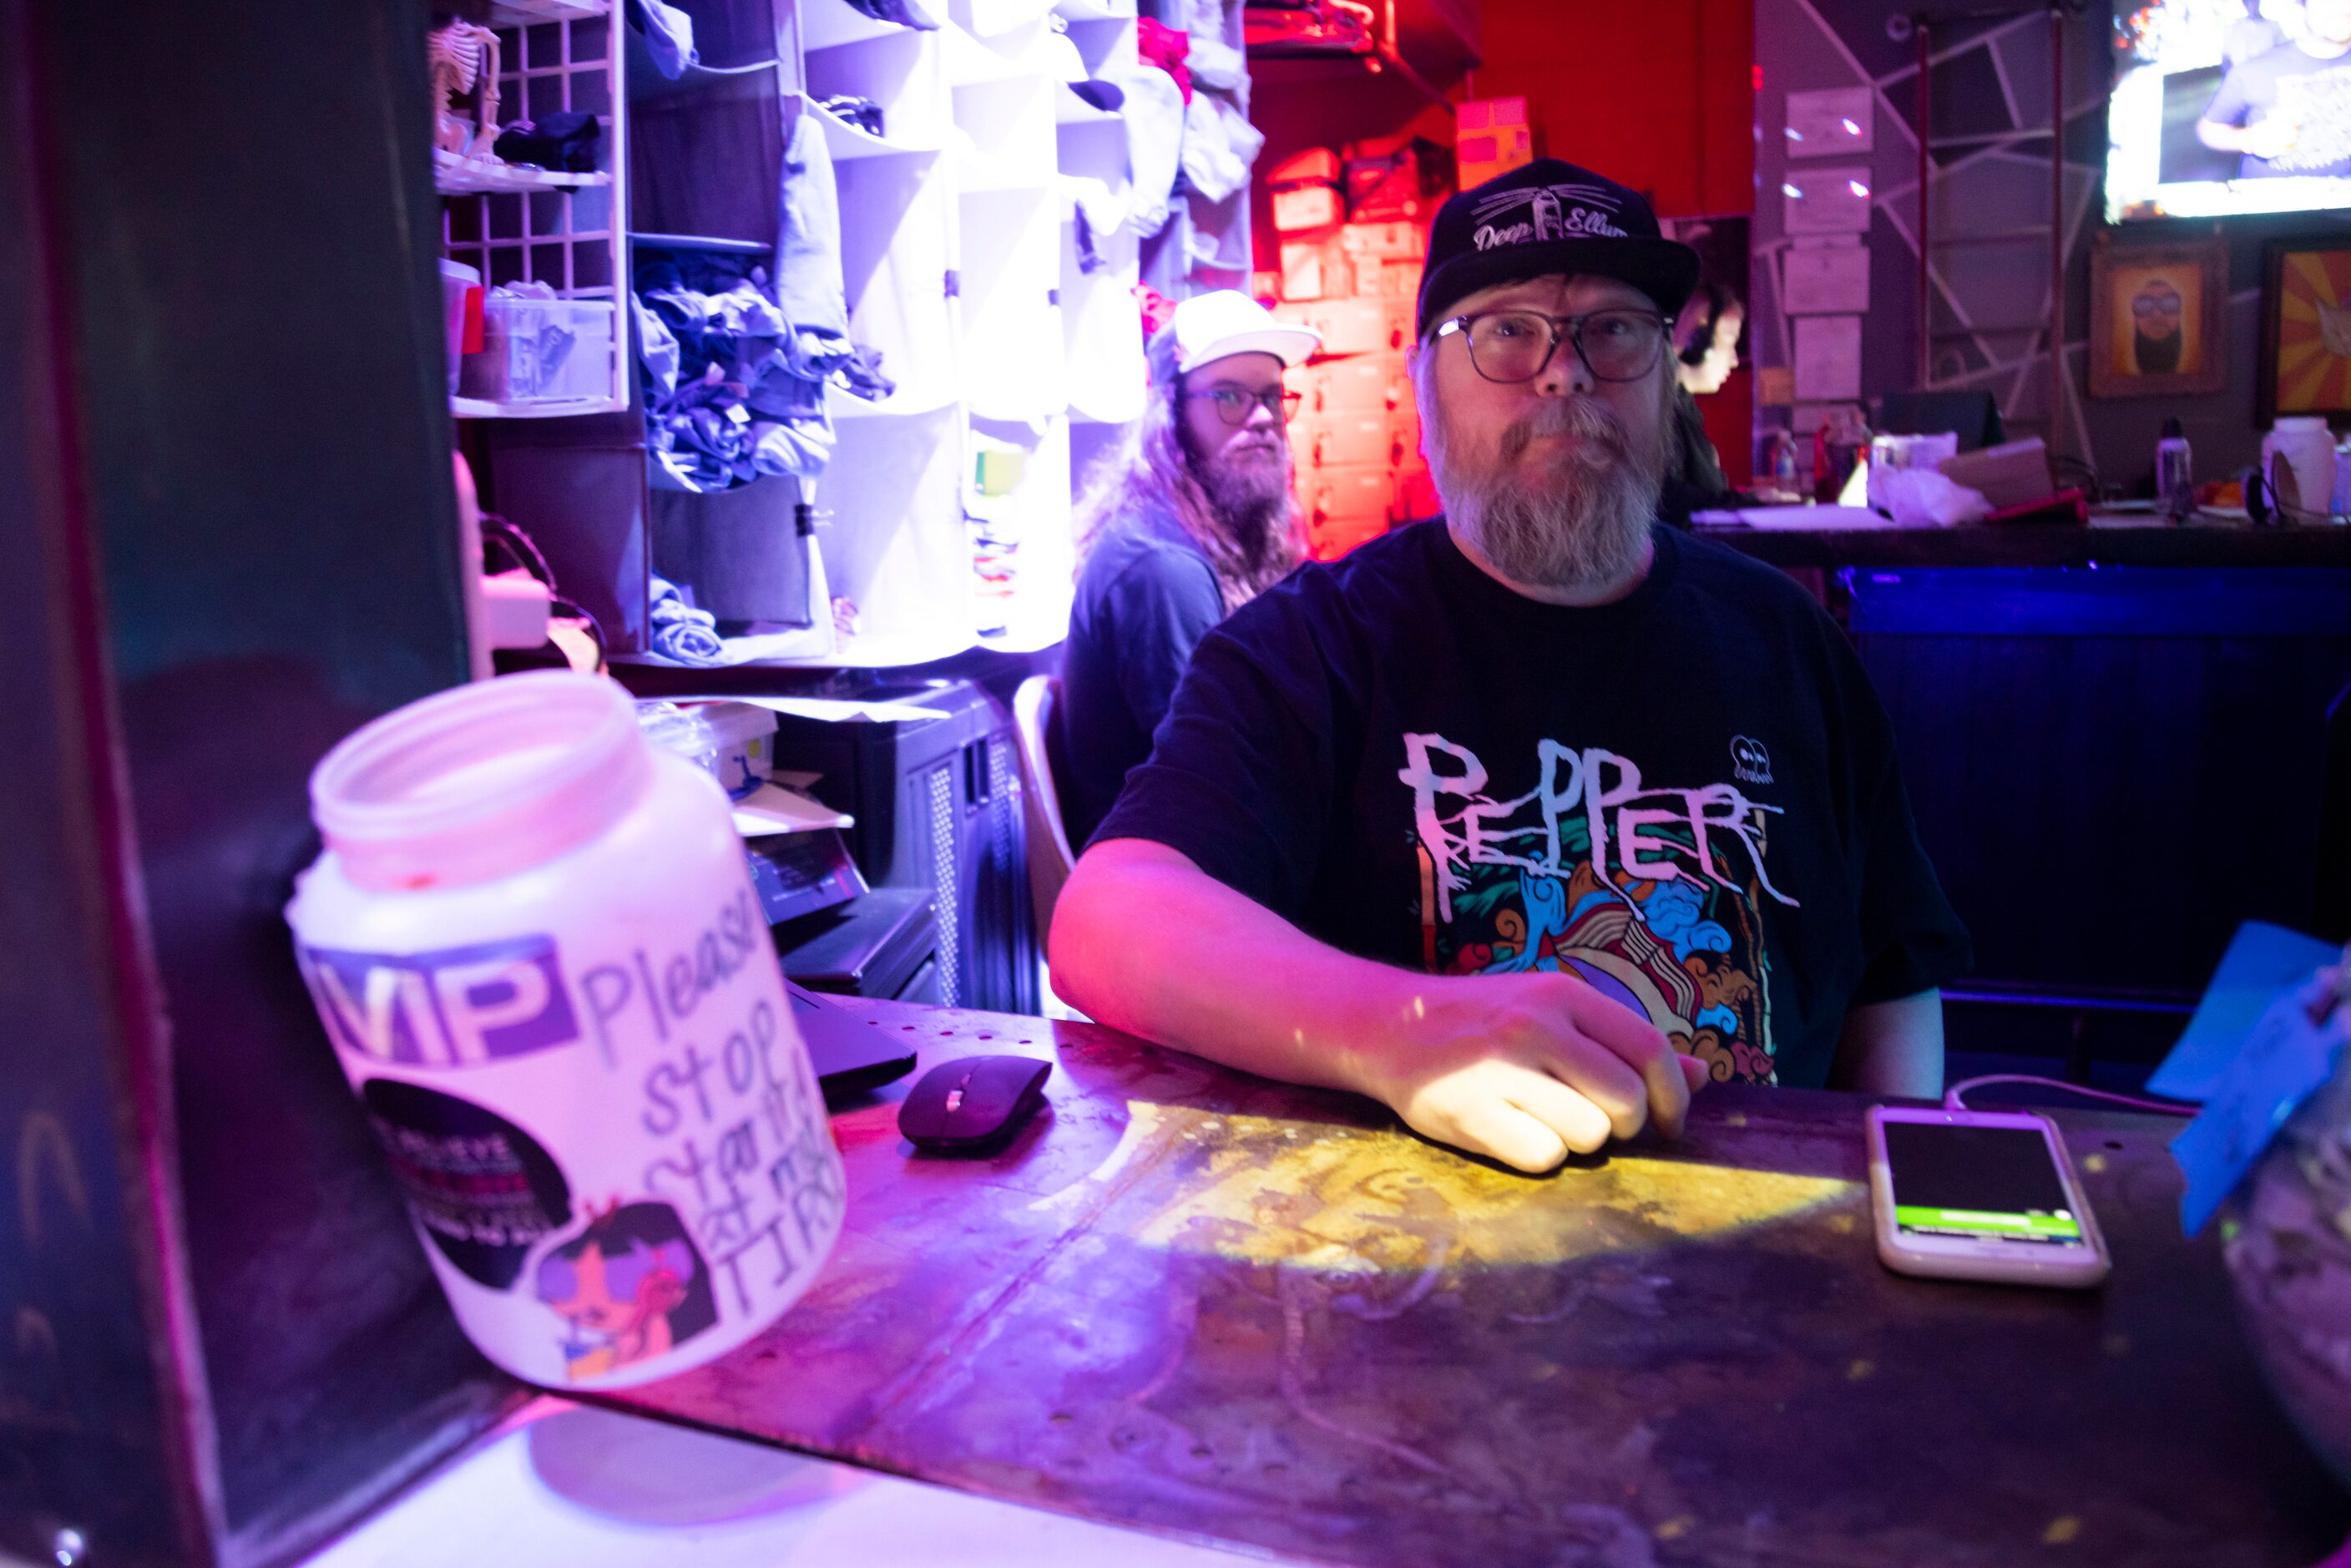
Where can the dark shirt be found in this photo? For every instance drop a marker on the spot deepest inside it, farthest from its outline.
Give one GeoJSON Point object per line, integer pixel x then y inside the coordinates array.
{"type": "Point", "coordinates": [2284, 79]}
{"type": "Point", "coordinates": [1146, 595]}
{"type": "Point", "coordinates": [1689, 798]}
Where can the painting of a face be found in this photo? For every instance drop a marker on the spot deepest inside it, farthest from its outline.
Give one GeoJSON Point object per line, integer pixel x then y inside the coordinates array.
{"type": "Point", "coordinates": [2157, 327]}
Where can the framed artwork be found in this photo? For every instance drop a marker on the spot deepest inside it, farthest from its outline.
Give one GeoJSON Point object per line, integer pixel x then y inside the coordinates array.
{"type": "Point", "coordinates": [2305, 327]}
{"type": "Point", "coordinates": [2159, 316]}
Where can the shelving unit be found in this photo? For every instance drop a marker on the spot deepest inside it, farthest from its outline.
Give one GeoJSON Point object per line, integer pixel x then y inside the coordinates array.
{"type": "Point", "coordinates": [962, 269]}
{"type": "Point", "coordinates": [515, 225]}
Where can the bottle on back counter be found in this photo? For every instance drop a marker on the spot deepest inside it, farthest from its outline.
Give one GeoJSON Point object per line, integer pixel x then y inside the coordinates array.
{"type": "Point", "coordinates": [1780, 461]}
{"type": "Point", "coordinates": [2174, 483]}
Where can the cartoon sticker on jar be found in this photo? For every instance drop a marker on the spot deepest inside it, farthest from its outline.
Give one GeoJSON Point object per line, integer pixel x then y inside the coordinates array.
{"type": "Point", "coordinates": [631, 1286]}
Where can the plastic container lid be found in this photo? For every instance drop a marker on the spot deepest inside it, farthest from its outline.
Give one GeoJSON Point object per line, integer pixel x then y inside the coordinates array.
{"type": "Point", "coordinates": [481, 781]}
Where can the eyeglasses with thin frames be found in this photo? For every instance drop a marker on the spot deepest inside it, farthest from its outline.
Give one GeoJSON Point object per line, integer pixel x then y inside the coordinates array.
{"type": "Point", "coordinates": [1235, 404]}
{"type": "Point", "coordinates": [1513, 346]}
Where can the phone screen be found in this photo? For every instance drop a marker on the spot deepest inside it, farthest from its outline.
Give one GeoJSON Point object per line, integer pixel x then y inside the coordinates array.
{"type": "Point", "coordinates": [1979, 1184]}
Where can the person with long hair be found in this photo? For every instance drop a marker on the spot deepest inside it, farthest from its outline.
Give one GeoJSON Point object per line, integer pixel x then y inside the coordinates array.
{"type": "Point", "coordinates": [1189, 519]}
{"type": "Point", "coordinates": [1706, 341]}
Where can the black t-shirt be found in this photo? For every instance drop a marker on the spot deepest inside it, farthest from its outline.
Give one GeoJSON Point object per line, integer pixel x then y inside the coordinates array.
{"type": "Point", "coordinates": [1146, 595]}
{"type": "Point", "coordinates": [1689, 798]}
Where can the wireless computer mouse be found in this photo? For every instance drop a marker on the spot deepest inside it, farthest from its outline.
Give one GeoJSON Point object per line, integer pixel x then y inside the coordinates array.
{"type": "Point", "coordinates": [973, 1103]}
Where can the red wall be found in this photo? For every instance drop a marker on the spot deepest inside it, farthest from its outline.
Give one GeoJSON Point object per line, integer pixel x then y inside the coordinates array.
{"type": "Point", "coordinates": [1659, 94]}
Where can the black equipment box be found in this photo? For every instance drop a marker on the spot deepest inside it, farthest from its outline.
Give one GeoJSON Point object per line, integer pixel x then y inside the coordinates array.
{"type": "Point", "coordinates": [938, 807]}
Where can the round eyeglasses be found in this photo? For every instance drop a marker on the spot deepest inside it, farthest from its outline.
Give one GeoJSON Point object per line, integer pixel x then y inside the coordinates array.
{"type": "Point", "coordinates": [1511, 346]}
{"type": "Point", "coordinates": [1235, 404]}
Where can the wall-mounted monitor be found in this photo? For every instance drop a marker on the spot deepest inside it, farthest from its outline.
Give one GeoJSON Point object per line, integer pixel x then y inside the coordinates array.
{"type": "Point", "coordinates": [2229, 106]}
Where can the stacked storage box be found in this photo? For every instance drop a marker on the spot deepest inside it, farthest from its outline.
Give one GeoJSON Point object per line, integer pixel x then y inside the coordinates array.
{"type": "Point", "coordinates": [1353, 240]}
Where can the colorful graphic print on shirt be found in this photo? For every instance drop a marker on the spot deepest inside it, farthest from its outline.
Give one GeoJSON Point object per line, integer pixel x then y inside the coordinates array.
{"type": "Point", "coordinates": [1651, 894]}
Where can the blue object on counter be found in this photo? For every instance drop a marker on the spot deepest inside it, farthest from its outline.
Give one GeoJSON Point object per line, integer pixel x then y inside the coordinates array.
{"type": "Point", "coordinates": [2286, 1057]}
{"type": "Point", "coordinates": [2262, 960]}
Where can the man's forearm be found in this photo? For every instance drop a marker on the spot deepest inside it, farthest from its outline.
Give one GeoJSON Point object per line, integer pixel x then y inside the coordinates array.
{"type": "Point", "coordinates": [2219, 137]}
{"type": "Point", "coordinates": [1893, 1048]}
{"type": "Point", "coordinates": [1144, 941]}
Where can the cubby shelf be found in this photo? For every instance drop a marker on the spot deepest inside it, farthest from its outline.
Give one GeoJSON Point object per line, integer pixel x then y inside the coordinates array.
{"type": "Point", "coordinates": [846, 141]}
{"type": "Point", "coordinates": [544, 408]}
{"type": "Point", "coordinates": [532, 13]}
{"type": "Point", "coordinates": [828, 24]}
{"type": "Point", "coordinates": [514, 223]}
{"type": "Point", "coordinates": [456, 178]}
{"type": "Point", "coordinates": [955, 248]}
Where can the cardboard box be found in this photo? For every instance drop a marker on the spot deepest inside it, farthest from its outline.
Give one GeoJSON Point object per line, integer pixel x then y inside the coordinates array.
{"type": "Point", "coordinates": [1490, 137]}
{"type": "Point", "coordinates": [1389, 279]}
{"type": "Point", "coordinates": [1333, 540]}
{"type": "Point", "coordinates": [1388, 241]}
{"type": "Point", "coordinates": [1352, 326]}
{"type": "Point", "coordinates": [1351, 493]}
{"type": "Point", "coordinates": [1316, 165]}
{"type": "Point", "coordinates": [1399, 317]}
{"type": "Point", "coordinates": [1302, 271]}
{"type": "Point", "coordinates": [1361, 383]}
{"type": "Point", "coordinates": [1417, 497]}
{"type": "Point", "coordinates": [1343, 441]}
{"type": "Point", "coordinates": [1405, 181]}
{"type": "Point", "coordinates": [1306, 207]}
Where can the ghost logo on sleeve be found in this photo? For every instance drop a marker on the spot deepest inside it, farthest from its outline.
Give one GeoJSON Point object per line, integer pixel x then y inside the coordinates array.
{"type": "Point", "coordinates": [1654, 894]}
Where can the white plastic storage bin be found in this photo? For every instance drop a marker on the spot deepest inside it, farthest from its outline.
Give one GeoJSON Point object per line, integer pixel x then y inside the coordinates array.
{"type": "Point", "coordinates": [541, 351]}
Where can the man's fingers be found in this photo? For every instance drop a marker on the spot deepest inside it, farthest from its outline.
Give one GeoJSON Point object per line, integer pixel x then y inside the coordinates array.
{"type": "Point", "coordinates": [1699, 1073]}
{"type": "Point", "coordinates": [1639, 1045]}
{"type": "Point", "coordinates": [1581, 1125]}
{"type": "Point", "coordinates": [1494, 1126]}
{"type": "Point", "coordinates": [1600, 1078]}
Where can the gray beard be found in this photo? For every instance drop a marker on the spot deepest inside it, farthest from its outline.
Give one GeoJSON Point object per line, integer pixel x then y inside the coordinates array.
{"type": "Point", "coordinates": [1251, 499]}
{"type": "Point", "coordinates": [1582, 524]}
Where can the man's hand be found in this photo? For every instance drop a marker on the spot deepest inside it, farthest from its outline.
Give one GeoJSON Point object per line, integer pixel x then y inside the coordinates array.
{"type": "Point", "coordinates": [2273, 136]}
{"type": "Point", "coordinates": [1528, 1069]}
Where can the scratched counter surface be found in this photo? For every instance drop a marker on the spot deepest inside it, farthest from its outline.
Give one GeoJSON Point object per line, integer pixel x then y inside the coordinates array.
{"type": "Point", "coordinates": [1195, 1302]}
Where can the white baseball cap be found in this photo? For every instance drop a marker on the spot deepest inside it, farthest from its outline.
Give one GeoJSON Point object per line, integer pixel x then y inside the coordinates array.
{"type": "Point", "coordinates": [1226, 321]}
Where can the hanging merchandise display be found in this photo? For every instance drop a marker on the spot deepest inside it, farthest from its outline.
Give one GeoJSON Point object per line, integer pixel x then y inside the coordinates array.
{"type": "Point", "coordinates": [669, 36]}
{"type": "Point", "coordinates": [1214, 60]}
{"type": "Point", "coordinates": [1219, 146]}
{"type": "Point", "coordinates": [1154, 143]}
{"type": "Point", "coordinates": [1157, 44]}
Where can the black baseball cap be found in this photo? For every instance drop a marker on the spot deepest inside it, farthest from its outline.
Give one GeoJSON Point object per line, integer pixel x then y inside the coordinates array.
{"type": "Point", "coordinates": [1545, 217]}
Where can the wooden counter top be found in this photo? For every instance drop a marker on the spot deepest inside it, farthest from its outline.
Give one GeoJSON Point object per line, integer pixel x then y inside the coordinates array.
{"type": "Point", "coordinates": [1200, 1304]}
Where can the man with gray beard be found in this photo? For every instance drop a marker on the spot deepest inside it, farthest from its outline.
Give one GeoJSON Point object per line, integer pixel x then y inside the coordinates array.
{"type": "Point", "coordinates": [1533, 819]}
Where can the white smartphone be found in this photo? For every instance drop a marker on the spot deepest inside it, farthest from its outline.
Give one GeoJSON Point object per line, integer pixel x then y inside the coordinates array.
{"type": "Point", "coordinates": [1979, 1195]}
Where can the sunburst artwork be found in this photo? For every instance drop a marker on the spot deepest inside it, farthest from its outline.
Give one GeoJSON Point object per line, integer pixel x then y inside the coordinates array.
{"type": "Point", "coordinates": [2306, 328]}
{"type": "Point", "coordinates": [2314, 331]}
